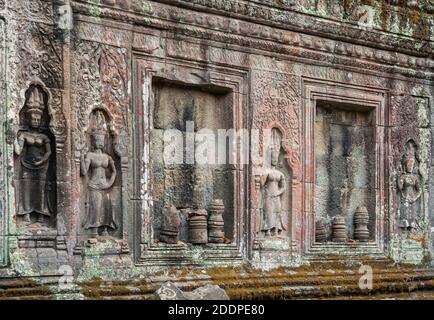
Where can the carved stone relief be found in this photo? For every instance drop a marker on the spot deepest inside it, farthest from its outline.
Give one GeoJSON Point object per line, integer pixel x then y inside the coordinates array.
{"type": "Point", "coordinates": [35, 10]}
{"type": "Point", "coordinates": [410, 187]}
{"type": "Point", "coordinates": [274, 186]}
{"type": "Point", "coordinates": [101, 105]}
{"type": "Point", "coordinates": [40, 55]}
{"type": "Point", "coordinates": [37, 133]}
{"type": "Point", "coordinates": [341, 171]}
{"type": "Point", "coordinates": [410, 163]}
{"type": "Point", "coordinates": [35, 165]}
{"type": "Point", "coordinates": [100, 169]}
{"type": "Point", "coordinates": [170, 225]}
{"type": "Point", "coordinates": [216, 223]}
{"type": "Point", "coordinates": [345, 135]}
{"type": "Point", "coordinates": [277, 99]}
{"type": "Point", "coordinates": [276, 117]}
{"type": "Point", "coordinates": [361, 221]}
{"type": "Point", "coordinates": [3, 156]}
{"type": "Point", "coordinates": [191, 178]}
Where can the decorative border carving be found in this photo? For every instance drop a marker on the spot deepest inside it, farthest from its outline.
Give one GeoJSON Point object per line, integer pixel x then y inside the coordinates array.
{"type": "Point", "coordinates": [283, 18]}
{"type": "Point", "coordinates": [40, 11]}
{"type": "Point", "coordinates": [101, 80]}
{"type": "Point", "coordinates": [3, 153]}
{"type": "Point", "coordinates": [289, 43]}
{"type": "Point", "coordinates": [40, 54]}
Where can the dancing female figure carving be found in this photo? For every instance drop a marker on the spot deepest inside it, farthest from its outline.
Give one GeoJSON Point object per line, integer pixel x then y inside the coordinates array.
{"type": "Point", "coordinates": [34, 149]}
{"type": "Point", "coordinates": [98, 164]}
{"type": "Point", "coordinates": [409, 185]}
{"type": "Point", "coordinates": [274, 187]}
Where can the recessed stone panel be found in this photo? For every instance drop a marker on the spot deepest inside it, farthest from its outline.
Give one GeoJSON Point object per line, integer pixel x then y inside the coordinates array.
{"type": "Point", "coordinates": [345, 162]}
{"type": "Point", "coordinates": [190, 183]}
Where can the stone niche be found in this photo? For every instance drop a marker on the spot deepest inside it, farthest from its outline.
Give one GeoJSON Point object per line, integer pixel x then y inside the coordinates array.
{"type": "Point", "coordinates": [346, 189]}
{"type": "Point", "coordinates": [188, 184]}
{"type": "Point", "coordinates": [35, 163]}
{"type": "Point", "coordinates": [345, 163]}
{"type": "Point", "coordinates": [101, 180]}
{"type": "Point", "coordinates": [188, 174]}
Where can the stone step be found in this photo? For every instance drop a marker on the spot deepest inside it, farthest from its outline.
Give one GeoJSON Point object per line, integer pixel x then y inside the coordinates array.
{"type": "Point", "coordinates": [34, 297]}
{"type": "Point", "coordinates": [17, 283]}
{"type": "Point", "coordinates": [329, 291]}
{"type": "Point", "coordinates": [299, 283]}
{"type": "Point", "coordinates": [384, 289]}
{"type": "Point", "coordinates": [24, 292]}
{"type": "Point", "coordinates": [283, 286]}
{"type": "Point", "coordinates": [125, 290]}
{"type": "Point", "coordinates": [417, 295]}
{"type": "Point", "coordinates": [320, 280]}
{"type": "Point", "coordinates": [316, 275]}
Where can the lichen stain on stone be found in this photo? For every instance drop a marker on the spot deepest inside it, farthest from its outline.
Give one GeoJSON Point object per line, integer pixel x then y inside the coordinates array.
{"type": "Point", "coordinates": [24, 289]}
{"type": "Point", "coordinates": [223, 64]}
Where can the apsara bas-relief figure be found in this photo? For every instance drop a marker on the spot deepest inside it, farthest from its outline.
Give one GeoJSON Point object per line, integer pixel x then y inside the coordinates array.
{"type": "Point", "coordinates": [101, 170]}
{"type": "Point", "coordinates": [274, 183]}
{"type": "Point", "coordinates": [410, 187]}
{"type": "Point", "coordinates": [33, 147]}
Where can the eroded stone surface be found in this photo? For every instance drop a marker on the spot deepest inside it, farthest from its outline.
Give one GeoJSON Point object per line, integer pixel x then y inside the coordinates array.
{"type": "Point", "coordinates": [335, 99]}
{"type": "Point", "coordinates": [170, 291]}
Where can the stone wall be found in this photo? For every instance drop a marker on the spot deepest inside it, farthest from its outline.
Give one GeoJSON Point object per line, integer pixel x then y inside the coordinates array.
{"type": "Point", "coordinates": [333, 99]}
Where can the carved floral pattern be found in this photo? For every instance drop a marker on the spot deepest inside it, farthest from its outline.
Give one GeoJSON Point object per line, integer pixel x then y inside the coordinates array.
{"type": "Point", "coordinates": [41, 51]}
{"type": "Point", "coordinates": [100, 76]}
{"type": "Point", "coordinates": [276, 101]}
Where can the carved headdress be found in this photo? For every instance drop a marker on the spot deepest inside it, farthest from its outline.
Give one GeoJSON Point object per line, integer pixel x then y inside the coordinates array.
{"type": "Point", "coordinates": [276, 140]}
{"type": "Point", "coordinates": [99, 125]}
{"type": "Point", "coordinates": [275, 145]}
{"type": "Point", "coordinates": [35, 101]}
{"type": "Point", "coordinates": [411, 155]}
{"type": "Point", "coordinates": [410, 151]}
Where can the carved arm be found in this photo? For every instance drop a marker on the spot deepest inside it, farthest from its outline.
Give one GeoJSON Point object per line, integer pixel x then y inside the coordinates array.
{"type": "Point", "coordinates": [84, 164]}
{"type": "Point", "coordinates": [260, 180]}
{"type": "Point", "coordinates": [418, 188]}
{"type": "Point", "coordinates": [19, 144]}
{"type": "Point", "coordinates": [46, 155]}
{"type": "Point", "coordinates": [282, 185]}
{"type": "Point", "coordinates": [114, 172]}
{"type": "Point", "coordinates": [400, 183]}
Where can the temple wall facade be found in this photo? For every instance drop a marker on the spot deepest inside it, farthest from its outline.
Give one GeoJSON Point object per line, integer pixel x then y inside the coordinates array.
{"type": "Point", "coordinates": [109, 107]}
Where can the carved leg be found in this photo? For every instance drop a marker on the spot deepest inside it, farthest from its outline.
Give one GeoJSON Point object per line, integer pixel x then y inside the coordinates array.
{"type": "Point", "coordinates": [26, 218]}
{"type": "Point", "coordinates": [104, 232]}
{"type": "Point", "coordinates": [93, 237]}
{"type": "Point", "coordinates": [94, 232]}
{"type": "Point", "coordinates": [41, 218]}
